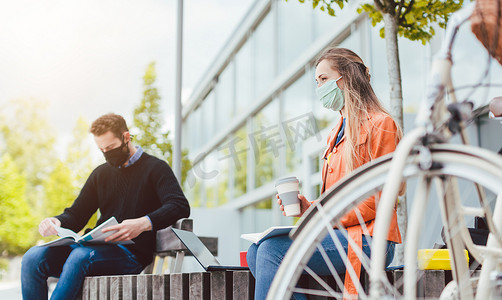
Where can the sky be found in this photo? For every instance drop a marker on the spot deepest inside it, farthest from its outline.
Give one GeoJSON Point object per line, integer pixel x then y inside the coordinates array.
{"type": "Point", "coordinates": [87, 58]}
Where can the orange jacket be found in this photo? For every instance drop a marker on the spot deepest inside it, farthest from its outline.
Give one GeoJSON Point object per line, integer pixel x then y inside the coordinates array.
{"type": "Point", "coordinates": [383, 139]}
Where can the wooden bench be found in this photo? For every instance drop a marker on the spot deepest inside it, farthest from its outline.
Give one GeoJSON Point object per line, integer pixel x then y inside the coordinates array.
{"type": "Point", "coordinates": [224, 285]}
{"type": "Point", "coordinates": [220, 285]}
{"type": "Point", "coordinates": [217, 284]}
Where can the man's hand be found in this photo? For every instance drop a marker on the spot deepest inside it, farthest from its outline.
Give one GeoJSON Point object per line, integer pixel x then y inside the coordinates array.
{"type": "Point", "coordinates": [304, 204]}
{"type": "Point", "coordinates": [46, 227]}
{"type": "Point", "coordinates": [128, 229]}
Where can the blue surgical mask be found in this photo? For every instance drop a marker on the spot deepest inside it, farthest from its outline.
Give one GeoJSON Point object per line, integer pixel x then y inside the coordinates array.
{"type": "Point", "coordinates": [331, 95]}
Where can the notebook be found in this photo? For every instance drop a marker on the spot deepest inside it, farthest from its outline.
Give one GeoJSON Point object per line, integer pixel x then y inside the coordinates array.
{"type": "Point", "coordinates": [205, 258]}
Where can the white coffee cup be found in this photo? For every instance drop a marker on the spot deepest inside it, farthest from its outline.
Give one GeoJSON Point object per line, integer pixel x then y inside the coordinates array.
{"type": "Point", "coordinates": [288, 190]}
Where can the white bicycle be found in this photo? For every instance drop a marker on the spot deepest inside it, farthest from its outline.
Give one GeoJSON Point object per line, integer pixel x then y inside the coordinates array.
{"type": "Point", "coordinates": [467, 181]}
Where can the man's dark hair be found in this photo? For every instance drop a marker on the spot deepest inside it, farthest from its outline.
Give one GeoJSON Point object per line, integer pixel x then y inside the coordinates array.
{"type": "Point", "coordinates": [109, 122]}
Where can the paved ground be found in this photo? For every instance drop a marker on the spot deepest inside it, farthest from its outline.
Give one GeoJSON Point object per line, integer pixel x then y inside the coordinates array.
{"type": "Point", "coordinates": [10, 291]}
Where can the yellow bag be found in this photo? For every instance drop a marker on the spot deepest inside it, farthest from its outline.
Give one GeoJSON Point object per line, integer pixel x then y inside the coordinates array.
{"type": "Point", "coordinates": [436, 259]}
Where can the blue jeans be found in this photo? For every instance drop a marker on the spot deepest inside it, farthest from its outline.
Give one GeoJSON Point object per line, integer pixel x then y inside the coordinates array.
{"type": "Point", "coordinates": [71, 264]}
{"type": "Point", "coordinates": [264, 260]}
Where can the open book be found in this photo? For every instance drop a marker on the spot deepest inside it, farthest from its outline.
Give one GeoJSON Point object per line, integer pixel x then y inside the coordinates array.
{"type": "Point", "coordinates": [259, 237]}
{"type": "Point", "coordinates": [95, 236]}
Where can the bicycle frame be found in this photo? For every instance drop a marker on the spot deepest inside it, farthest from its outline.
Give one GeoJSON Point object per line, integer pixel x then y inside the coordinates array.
{"type": "Point", "coordinates": [428, 123]}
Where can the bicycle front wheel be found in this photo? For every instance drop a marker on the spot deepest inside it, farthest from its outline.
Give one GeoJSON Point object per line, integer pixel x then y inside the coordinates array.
{"type": "Point", "coordinates": [469, 164]}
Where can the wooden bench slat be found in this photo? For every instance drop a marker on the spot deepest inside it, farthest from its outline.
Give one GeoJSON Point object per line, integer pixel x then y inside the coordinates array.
{"type": "Point", "coordinates": [161, 287]}
{"type": "Point", "coordinates": [104, 293]}
{"type": "Point", "coordinates": [221, 285]}
{"type": "Point", "coordinates": [398, 278]}
{"type": "Point", "coordinates": [116, 287]}
{"type": "Point", "coordinates": [199, 286]}
{"type": "Point", "coordinates": [129, 287]}
{"type": "Point", "coordinates": [93, 288]}
{"type": "Point", "coordinates": [144, 287]}
{"type": "Point", "coordinates": [431, 283]}
{"type": "Point", "coordinates": [179, 286]}
{"type": "Point", "coordinates": [243, 285]}
{"type": "Point", "coordinates": [85, 289]}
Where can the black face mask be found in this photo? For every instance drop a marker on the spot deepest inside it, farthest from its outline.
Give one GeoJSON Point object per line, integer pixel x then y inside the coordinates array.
{"type": "Point", "coordinates": [117, 156]}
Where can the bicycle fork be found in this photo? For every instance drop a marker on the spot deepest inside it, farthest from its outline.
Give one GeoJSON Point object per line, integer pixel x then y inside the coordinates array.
{"type": "Point", "coordinates": [453, 224]}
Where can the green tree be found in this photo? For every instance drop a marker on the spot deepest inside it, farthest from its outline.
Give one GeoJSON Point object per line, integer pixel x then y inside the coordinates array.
{"type": "Point", "coordinates": [148, 120]}
{"type": "Point", "coordinates": [25, 134]}
{"type": "Point", "coordinates": [59, 190]}
{"type": "Point", "coordinates": [18, 223]}
{"type": "Point", "coordinates": [78, 158]}
{"type": "Point", "coordinates": [63, 184]}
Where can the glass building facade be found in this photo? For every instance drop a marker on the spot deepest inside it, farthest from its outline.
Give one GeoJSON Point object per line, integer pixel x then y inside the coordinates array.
{"type": "Point", "coordinates": [255, 117]}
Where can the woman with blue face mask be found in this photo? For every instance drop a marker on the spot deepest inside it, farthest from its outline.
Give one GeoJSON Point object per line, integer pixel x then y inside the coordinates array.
{"type": "Point", "coordinates": [365, 131]}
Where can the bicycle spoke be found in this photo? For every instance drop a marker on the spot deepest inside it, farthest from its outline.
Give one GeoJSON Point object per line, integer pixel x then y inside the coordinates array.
{"type": "Point", "coordinates": [350, 270]}
{"type": "Point", "coordinates": [331, 268]}
{"type": "Point", "coordinates": [319, 280]}
{"type": "Point", "coordinates": [317, 293]}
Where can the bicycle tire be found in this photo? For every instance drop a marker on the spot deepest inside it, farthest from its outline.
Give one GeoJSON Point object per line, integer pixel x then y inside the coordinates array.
{"type": "Point", "coordinates": [465, 162]}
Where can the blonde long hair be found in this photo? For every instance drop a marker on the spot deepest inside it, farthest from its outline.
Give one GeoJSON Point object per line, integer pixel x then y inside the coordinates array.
{"type": "Point", "coordinates": [360, 101]}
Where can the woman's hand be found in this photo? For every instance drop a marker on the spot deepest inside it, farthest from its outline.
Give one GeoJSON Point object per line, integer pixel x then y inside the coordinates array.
{"type": "Point", "coordinates": [304, 204]}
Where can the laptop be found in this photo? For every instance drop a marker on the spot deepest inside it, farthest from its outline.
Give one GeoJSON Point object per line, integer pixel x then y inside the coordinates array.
{"type": "Point", "coordinates": [205, 258]}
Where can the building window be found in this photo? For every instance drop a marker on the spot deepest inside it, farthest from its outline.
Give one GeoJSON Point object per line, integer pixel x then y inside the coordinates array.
{"type": "Point", "coordinates": [316, 164]}
{"type": "Point", "coordinates": [208, 117]}
{"type": "Point", "coordinates": [195, 130]}
{"type": "Point", "coordinates": [413, 73]}
{"type": "Point", "coordinates": [294, 31]}
{"type": "Point", "coordinates": [323, 22]}
{"type": "Point", "coordinates": [209, 177]}
{"type": "Point", "coordinates": [194, 193]}
{"type": "Point", "coordinates": [263, 40]}
{"type": "Point", "coordinates": [298, 121]}
{"type": "Point", "coordinates": [257, 217]}
{"type": "Point", "coordinates": [378, 68]}
{"type": "Point", "coordinates": [234, 150]}
{"type": "Point", "coordinates": [225, 97]}
{"type": "Point", "coordinates": [244, 90]}
{"type": "Point", "coordinates": [266, 142]}
{"type": "Point", "coordinates": [223, 175]}
{"type": "Point", "coordinates": [353, 40]}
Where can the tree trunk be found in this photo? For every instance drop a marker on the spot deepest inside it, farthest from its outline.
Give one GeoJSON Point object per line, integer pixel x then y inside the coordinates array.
{"type": "Point", "coordinates": [396, 110]}
{"type": "Point", "coordinates": [396, 96]}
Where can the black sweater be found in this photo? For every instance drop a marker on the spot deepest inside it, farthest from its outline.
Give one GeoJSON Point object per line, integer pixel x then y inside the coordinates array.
{"type": "Point", "coordinates": [146, 188]}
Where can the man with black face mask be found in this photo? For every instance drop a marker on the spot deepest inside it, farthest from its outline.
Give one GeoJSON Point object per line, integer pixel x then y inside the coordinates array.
{"type": "Point", "coordinates": [138, 189]}
{"type": "Point", "coordinates": [118, 156]}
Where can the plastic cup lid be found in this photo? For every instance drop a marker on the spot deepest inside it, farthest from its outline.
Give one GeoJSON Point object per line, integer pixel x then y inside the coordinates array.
{"type": "Point", "coordinates": [286, 179]}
